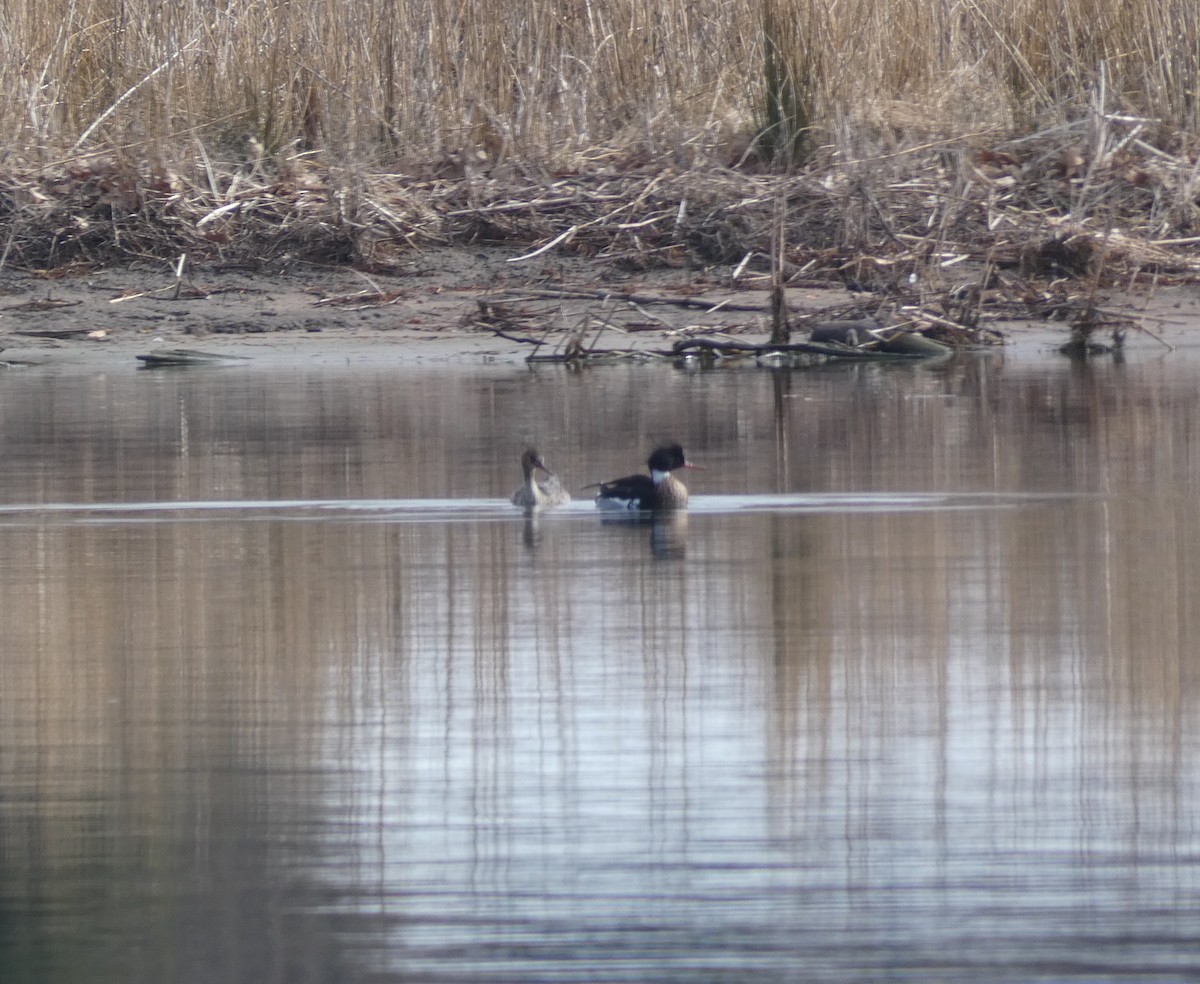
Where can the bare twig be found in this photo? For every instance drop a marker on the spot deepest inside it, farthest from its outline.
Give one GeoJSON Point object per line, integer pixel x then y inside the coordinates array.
{"type": "Point", "coordinates": [99, 120]}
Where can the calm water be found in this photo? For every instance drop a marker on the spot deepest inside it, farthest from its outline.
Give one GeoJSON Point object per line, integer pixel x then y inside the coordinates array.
{"type": "Point", "coordinates": [288, 693]}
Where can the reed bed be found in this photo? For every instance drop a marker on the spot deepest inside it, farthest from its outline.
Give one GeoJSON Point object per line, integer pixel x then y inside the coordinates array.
{"type": "Point", "coordinates": [1040, 134]}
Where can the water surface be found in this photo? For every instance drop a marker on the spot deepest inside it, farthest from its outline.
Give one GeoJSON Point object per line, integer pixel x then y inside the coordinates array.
{"type": "Point", "coordinates": [288, 692]}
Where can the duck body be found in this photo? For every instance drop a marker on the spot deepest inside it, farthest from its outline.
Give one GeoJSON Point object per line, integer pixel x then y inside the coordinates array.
{"type": "Point", "coordinates": [660, 490]}
{"type": "Point", "coordinates": [534, 494]}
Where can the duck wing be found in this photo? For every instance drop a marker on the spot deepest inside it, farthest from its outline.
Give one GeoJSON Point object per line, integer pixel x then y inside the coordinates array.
{"type": "Point", "coordinates": [630, 492]}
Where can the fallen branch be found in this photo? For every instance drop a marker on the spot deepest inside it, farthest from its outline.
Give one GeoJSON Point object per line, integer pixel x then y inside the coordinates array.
{"type": "Point", "coordinates": [584, 294]}
{"type": "Point", "coordinates": [43, 304]}
{"type": "Point", "coordinates": [567, 236]}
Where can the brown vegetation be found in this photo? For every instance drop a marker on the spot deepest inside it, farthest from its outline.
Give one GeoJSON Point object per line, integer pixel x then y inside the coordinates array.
{"type": "Point", "coordinates": [1030, 142]}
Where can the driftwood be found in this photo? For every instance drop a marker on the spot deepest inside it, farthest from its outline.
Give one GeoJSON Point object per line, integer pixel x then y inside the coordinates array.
{"type": "Point", "coordinates": [902, 345]}
{"type": "Point", "coordinates": [68, 332]}
{"type": "Point", "coordinates": [926, 329]}
{"type": "Point", "coordinates": [182, 357]}
{"type": "Point", "coordinates": [922, 335]}
{"type": "Point", "coordinates": [42, 304]}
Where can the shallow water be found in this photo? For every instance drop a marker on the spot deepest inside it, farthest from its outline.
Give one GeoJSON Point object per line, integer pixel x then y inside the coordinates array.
{"type": "Point", "coordinates": [288, 692]}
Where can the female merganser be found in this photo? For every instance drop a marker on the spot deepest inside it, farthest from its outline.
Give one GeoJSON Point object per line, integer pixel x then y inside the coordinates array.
{"type": "Point", "coordinates": [658, 490]}
{"type": "Point", "coordinates": [533, 493]}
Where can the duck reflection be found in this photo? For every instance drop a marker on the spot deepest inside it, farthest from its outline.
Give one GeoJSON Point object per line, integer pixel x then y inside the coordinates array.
{"type": "Point", "coordinates": [668, 535]}
{"type": "Point", "coordinates": [530, 531]}
{"type": "Point", "coordinates": [668, 529]}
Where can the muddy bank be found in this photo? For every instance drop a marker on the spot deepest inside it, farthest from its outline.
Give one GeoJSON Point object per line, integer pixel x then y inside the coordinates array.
{"type": "Point", "coordinates": [446, 304]}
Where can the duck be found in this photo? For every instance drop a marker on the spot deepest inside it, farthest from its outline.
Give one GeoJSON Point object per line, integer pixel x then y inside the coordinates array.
{"type": "Point", "coordinates": [532, 494]}
{"type": "Point", "coordinates": [660, 490]}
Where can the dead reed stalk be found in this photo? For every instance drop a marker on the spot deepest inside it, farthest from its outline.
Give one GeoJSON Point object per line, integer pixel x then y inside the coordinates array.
{"type": "Point", "coordinates": [543, 83]}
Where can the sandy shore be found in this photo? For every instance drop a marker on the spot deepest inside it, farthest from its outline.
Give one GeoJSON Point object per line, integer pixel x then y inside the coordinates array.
{"type": "Point", "coordinates": [430, 312]}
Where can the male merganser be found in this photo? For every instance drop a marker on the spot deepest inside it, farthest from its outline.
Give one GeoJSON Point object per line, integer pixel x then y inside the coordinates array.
{"type": "Point", "coordinates": [658, 490]}
{"type": "Point", "coordinates": [533, 493]}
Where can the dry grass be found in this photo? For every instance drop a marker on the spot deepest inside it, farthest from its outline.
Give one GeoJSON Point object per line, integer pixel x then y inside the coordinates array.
{"type": "Point", "coordinates": [900, 131]}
